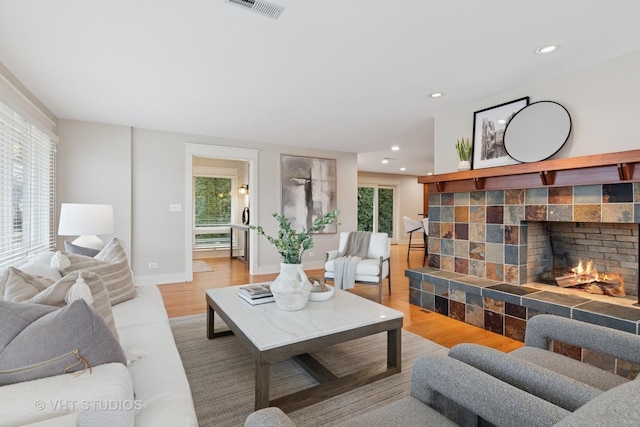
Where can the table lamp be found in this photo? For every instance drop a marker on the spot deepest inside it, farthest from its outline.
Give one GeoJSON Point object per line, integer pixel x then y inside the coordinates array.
{"type": "Point", "coordinates": [86, 221]}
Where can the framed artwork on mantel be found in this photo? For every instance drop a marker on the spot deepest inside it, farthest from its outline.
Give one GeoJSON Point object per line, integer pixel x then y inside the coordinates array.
{"type": "Point", "coordinates": [309, 189]}
{"type": "Point", "coordinates": [488, 134]}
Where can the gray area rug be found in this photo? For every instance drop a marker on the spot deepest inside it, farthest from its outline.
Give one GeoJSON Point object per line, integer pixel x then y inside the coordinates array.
{"type": "Point", "coordinates": [221, 375]}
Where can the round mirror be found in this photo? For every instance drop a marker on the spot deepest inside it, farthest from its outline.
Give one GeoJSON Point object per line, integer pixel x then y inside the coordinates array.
{"type": "Point", "coordinates": [537, 132]}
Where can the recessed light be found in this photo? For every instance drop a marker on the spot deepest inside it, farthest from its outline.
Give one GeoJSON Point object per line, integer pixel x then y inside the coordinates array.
{"type": "Point", "coordinates": [385, 161]}
{"type": "Point", "coordinates": [395, 148]}
{"type": "Point", "coordinates": [547, 48]}
{"type": "Point", "coordinates": [403, 169]}
{"type": "Point", "coordinates": [430, 173]}
{"type": "Point", "coordinates": [436, 94]}
{"type": "Point", "coordinates": [502, 121]}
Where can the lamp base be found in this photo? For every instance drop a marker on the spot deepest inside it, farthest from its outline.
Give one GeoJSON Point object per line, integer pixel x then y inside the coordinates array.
{"type": "Point", "coordinates": [90, 241]}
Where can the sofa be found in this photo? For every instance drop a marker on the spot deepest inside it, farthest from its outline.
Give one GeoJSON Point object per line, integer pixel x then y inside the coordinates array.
{"type": "Point", "coordinates": [473, 385]}
{"type": "Point", "coordinates": [151, 389]}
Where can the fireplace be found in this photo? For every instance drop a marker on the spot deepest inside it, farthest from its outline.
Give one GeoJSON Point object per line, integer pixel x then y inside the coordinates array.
{"type": "Point", "coordinates": [481, 251]}
{"type": "Point", "coordinates": [485, 233]}
{"type": "Point", "coordinates": [554, 248]}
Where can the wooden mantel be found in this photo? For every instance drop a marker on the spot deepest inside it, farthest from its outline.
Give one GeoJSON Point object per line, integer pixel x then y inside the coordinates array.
{"type": "Point", "coordinates": [607, 168]}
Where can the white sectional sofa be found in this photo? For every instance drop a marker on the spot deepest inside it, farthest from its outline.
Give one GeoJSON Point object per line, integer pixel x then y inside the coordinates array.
{"type": "Point", "coordinates": [152, 390]}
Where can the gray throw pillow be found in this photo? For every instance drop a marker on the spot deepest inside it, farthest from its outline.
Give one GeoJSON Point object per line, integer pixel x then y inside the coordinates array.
{"type": "Point", "coordinates": [80, 250]}
{"type": "Point", "coordinates": [38, 341]}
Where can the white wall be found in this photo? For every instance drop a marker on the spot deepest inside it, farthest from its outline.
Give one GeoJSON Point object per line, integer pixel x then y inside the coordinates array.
{"type": "Point", "coordinates": [158, 166]}
{"type": "Point", "coordinates": [94, 166]}
{"type": "Point", "coordinates": [602, 101]}
{"type": "Point", "coordinates": [409, 196]}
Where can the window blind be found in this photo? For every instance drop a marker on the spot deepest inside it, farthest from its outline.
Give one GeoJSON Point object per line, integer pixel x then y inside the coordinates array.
{"type": "Point", "coordinates": [27, 188]}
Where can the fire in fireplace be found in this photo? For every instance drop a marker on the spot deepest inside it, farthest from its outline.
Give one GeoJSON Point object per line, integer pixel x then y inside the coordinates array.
{"type": "Point", "coordinates": [585, 276]}
{"type": "Point", "coordinates": [554, 251]}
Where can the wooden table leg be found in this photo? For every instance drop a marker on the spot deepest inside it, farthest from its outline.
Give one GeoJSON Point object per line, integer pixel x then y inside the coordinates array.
{"type": "Point", "coordinates": [262, 384]}
{"type": "Point", "coordinates": [210, 321]}
{"type": "Point", "coordinates": [394, 349]}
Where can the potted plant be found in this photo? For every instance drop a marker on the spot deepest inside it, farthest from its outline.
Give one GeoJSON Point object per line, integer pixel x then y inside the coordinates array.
{"type": "Point", "coordinates": [291, 288]}
{"type": "Point", "coordinates": [463, 147]}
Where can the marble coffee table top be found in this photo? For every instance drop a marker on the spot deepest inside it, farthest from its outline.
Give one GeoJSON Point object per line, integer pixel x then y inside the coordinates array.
{"type": "Point", "coordinates": [269, 327]}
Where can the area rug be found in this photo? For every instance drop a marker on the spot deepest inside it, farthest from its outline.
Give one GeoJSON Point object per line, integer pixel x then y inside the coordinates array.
{"type": "Point", "coordinates": [199, 266]}
{"type": "Point", "coordinates": [221, 375]}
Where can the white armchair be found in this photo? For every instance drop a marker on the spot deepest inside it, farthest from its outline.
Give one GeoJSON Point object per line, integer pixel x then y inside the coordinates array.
{"type": "Point", "coordinates": [371, 270]}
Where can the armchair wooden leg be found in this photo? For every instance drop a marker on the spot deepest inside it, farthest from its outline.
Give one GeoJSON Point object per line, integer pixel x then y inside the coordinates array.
{"type": "Point", "coordinates": [389, 276]}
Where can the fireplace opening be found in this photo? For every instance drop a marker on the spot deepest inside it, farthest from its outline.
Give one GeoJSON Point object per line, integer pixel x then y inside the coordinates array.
{"type": "Point", "coordinates": [559, 253]}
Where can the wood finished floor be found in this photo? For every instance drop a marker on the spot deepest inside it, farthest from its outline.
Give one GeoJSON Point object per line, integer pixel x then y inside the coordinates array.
{"type": "Point", "coordinates": [182, 299]}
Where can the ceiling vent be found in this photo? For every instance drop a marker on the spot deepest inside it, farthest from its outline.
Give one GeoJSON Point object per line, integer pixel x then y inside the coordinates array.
{"type": "Point", "coordinates": [261, 7]}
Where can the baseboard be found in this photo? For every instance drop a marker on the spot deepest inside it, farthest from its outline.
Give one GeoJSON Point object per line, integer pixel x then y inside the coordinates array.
{"type": "Point", "coordinates": [159, 279]}
{"type": "Point", "coordinates": [308, 265]}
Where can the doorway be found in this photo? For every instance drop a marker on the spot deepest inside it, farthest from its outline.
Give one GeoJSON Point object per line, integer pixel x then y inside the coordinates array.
{"type": "Point", "coordinates": [205, 151]}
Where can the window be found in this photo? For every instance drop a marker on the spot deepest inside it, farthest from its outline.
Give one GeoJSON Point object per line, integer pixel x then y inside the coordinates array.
{"type": "Point", "coordinates": [212, 209]}
{"type": "Point", "coordinates": [27, 188]}
{"type": "Point", "coordinates": [376, 209]}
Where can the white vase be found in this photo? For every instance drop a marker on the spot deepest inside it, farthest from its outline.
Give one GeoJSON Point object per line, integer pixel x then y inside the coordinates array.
{"type": "Point", "coordinates": [291, 288]}
{"type": "Point", "coordinates": [464, 165]}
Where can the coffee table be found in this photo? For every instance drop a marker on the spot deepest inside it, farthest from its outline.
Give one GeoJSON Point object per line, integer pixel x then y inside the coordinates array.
{"type": "Point", "coordinates": [272, 335]}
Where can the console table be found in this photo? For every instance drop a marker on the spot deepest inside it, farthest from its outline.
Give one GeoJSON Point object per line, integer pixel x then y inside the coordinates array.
{"type": "Point", "coordinates": [244, 257]}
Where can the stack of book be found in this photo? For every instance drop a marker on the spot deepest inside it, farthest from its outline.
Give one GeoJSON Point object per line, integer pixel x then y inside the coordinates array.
{"type": "Point", "coordinates": [256, 294]}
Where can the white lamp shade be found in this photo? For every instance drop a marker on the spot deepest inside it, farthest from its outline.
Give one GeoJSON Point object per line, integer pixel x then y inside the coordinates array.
{"type": "Point", "coordinates": [78, 219]}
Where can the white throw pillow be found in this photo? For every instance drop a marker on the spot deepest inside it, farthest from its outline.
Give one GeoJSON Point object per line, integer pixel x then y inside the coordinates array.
{"type": "Point", "coordinates": [40, 265]}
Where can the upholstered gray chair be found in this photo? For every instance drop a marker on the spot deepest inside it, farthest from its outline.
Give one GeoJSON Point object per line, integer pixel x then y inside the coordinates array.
{"type": "Point", "coordinates": [531, 386]}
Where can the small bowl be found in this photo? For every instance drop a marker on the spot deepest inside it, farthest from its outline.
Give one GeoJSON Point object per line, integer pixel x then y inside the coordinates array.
{"type": "Point", "coordinates": [321, 296]}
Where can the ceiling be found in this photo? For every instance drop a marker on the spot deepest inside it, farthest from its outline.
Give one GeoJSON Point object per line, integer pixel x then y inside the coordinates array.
{"type": "Point", "coordinates": [333, 74]}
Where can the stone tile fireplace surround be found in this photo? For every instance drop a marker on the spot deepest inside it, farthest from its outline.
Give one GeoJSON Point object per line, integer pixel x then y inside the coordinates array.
{"type": "Point", "coordinates": [485, 233]}
{"type": "Point", "coordinates": [480, 269]}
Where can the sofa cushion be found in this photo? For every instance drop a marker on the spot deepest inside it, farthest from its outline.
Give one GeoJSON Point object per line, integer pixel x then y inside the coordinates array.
{"type": "Point", "coordinates": [148, 300]}
{"type": "Point", "coordinates": [572, 368]}
{"type": "Point", "coordinates": [408, 411]}
{"type": "Point", "coordinates": [537, 380]}
{"type": "Point", "coordinates": [38, 341]}
{"type": "Point", "coordinates": [113, 268]}
{"type": "Point", "coordinates": [80, 250]}
{"type": "Point", "coordinates": [109, 382]}
{"type": "Point", "coordinates": [616, 407]}
{"type": "Point", "coordinates": [159, 379]}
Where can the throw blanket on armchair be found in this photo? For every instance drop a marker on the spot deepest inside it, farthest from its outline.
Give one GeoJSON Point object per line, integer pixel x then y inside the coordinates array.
{"type": "Point", "coordinates": [356, 248]}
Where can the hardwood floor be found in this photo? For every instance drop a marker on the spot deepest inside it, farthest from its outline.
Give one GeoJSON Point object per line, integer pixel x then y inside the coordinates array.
{"type": "Point", "coordinates": [183, 299]}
